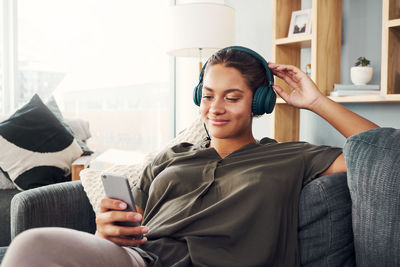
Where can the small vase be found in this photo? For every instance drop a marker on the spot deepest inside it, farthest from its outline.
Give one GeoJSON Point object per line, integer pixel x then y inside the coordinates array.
{"type": "Point", "coordinates": [361, 75]}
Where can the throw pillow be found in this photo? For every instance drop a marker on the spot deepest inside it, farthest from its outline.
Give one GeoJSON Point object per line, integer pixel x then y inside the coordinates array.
{"type": "Point", "coordinates": [5, 182]}
{"type": "Point", "coordinates": [52, 105]}
{"type": "Point", "coordinates": [91, 180]}
{"type": "Point", "coordinates": [35, 148]}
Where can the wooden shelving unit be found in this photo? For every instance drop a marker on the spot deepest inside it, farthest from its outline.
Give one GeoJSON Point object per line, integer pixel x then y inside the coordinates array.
{"type": "Point", "coordinates": [390, 68]}
{"type": "Point", "coordinates": [325, 44]}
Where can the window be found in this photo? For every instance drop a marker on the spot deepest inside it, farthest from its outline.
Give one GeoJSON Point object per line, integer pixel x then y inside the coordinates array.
{"type": "Point", "coordinates": [104, 62]}
{"type": "Point", "coordinates": [2, 100]}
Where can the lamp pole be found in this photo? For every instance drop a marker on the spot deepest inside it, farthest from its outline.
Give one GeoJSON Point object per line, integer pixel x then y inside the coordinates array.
{"type": "Point", "coordinates": [200, 62]}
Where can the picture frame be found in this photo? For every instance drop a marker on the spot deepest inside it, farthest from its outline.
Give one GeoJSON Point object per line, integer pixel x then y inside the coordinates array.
{"type": "Point", "coordinates": [300, 23]}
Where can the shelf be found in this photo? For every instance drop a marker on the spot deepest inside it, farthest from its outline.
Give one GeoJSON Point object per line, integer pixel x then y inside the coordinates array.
{"type": "Point", "coordinates": [325, 46]}
{"type": "Point", "coordinates": [395, 23]}
{"type": "Point", "coordinates": [358, 99]}
{"type": "Point", "coordinates": [303, 41]}
{"type": "Point", "coordinates": [366, 98]}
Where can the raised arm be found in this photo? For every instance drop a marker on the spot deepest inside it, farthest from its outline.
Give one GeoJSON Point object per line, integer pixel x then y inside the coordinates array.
{"type": "Point", "coordinates": [305, 94]}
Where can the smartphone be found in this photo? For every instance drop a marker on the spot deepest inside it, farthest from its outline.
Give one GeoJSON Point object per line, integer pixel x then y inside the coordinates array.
{"type": "Point", "coordinates": [117, 187]}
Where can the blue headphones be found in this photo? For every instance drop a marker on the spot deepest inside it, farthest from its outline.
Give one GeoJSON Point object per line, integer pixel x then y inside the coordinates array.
{"type": "Point", "coordinates": [264, 97]}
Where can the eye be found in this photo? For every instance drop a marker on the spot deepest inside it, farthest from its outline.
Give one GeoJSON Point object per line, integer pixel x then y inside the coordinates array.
{"type": "Point", "coordinates": [207, 96]}
{"type": "Point", "coordinates": [232, 98]}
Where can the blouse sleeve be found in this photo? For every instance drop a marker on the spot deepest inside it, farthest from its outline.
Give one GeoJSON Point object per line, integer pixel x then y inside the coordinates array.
{"type": "Point", "coordinates": [317, 159]}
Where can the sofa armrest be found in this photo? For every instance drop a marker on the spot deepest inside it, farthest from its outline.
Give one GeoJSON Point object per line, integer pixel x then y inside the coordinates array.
{"type": "Point", "coordinates": [373, 164]}
{"type": "Point", "coordinates": [59, 205]}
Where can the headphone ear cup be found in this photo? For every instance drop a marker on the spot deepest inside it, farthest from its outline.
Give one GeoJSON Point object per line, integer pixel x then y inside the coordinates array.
{"type": "Point", "coordinates": [197, 94]}
{"type": "Point", "coordinates": [270, 100]}
{"type": "Point", "coordinates": [263, 100]}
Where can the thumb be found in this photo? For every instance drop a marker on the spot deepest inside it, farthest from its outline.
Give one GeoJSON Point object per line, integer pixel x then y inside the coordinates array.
{"type": "Point", "coordinates": [282, 93]}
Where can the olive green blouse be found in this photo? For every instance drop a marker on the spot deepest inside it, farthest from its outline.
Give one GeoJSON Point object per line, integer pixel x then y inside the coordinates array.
{"type": "Point", "coordinates": [241, 210]}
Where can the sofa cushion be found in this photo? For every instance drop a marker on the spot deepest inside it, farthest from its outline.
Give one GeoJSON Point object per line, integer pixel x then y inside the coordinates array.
{"type": "Point", "coordinates": [373, 163]}
{"type": "Point", "coordinates": [325, 235]}
{"type": "Point", "coordinates": [35, 148]}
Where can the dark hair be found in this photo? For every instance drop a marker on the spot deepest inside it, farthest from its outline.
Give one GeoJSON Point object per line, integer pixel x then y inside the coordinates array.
{"type": "Point", "coordinates": [250, 67]}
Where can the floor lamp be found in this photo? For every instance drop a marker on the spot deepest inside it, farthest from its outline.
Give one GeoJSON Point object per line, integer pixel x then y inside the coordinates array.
{"type": "Point", "coordinates": [200, 29]}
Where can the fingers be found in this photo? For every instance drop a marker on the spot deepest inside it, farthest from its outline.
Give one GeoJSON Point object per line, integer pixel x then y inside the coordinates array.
{"type": "Point", "coordinates": [110, 230]}
{"type": "Point", "coordinates": [118, 216]}
{"type": "Point", "coordinates": [127, 241]}
{"type": "Point", "coordinates": [111, 204]}
{"type": "Point", "coordinates": [291, 80]}
{"type": "Point", "coordinates": [293, 76]}
{"type": "Point", "coordinates": [283, 68]}
{"type": "Point", "coordinates": [290, 74]}
{"type": "Point", "coordinates": [123, 236]}
{"type": "Point", "coordinates": [281, 92]}
{"type": "Point", "coordinates": [112, 211]}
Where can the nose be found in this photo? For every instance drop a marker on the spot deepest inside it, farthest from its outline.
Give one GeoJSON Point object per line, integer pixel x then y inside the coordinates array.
{"type": "Point", "coordinates": [217, 106]}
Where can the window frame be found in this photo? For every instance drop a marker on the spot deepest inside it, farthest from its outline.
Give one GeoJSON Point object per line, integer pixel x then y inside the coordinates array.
{"type": "Point", "coordinates": [9, 59]}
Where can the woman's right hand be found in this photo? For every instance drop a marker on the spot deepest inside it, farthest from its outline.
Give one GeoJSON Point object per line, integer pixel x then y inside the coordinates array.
{"type": "Point", "coordinates": [111, 210]}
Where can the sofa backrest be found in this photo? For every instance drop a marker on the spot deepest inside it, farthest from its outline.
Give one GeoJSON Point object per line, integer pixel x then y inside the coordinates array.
{"type": "Point", "coordinates": [325, 233]}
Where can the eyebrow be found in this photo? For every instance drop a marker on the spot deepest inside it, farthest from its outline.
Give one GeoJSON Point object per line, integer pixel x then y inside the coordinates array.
{"type": "Point", "coordinates": [226, 91]}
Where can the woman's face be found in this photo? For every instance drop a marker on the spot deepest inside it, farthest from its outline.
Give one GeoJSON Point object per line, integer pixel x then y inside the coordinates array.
{"type": "Point", "coordinates": [226, 103]}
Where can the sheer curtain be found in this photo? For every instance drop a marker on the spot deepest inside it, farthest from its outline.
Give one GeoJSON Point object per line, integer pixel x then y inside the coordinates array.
{"type": "Point", "coordinates": [105, 62]}
{"type": "Point", "coordinates": [2, 50]}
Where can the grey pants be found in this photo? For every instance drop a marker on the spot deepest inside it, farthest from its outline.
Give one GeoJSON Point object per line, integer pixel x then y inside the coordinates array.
{"type": "Point", "coordinates": [52, 246]}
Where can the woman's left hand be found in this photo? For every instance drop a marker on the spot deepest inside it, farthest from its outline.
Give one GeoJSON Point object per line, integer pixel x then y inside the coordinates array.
{"type": "Point", "coordinates": [304, 94]}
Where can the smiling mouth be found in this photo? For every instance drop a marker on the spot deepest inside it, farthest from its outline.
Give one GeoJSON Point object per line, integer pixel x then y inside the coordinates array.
{"type": "Point", "coordinates": [218, 122]}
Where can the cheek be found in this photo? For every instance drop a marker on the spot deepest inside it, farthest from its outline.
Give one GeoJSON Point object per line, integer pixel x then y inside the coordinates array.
{"type": "Point", "coordinates": [242, 111]}
{"type": "Point", "coordinates": [203, 108]}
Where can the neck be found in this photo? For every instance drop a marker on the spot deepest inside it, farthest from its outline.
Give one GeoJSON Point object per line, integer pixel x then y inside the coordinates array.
{"type": "Point", "coordinates": [224, 147]}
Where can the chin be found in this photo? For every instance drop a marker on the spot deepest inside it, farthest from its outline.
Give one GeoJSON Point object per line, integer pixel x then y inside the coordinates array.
{"type": "Point", "coordinates": [220, 133]}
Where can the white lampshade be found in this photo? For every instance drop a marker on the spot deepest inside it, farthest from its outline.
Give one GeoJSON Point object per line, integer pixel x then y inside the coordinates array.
{"type": "Point", "coordinates": [208, 26]}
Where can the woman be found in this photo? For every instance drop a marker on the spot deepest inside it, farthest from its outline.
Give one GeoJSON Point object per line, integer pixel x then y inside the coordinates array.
{"type": "Point", "coordinates": [230, 201]}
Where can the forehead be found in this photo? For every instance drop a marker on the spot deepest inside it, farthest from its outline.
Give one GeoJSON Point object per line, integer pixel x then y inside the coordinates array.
{"type": "Point", "coordinates": [221, 77]}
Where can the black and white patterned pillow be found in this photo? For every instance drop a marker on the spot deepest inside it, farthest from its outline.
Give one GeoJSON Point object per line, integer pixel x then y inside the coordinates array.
{"type": "Point", "coordinates": [35, 148]}
{"type": "Point", "coordinates": [52, 105]}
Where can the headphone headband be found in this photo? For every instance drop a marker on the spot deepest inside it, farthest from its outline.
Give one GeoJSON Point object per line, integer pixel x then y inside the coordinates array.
{"type": "Point", "coordinates": [253, 53]}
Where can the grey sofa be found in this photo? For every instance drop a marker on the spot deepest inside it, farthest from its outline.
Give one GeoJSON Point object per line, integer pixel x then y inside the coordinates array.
{"type": "Point", "coordinates": [5, 200]}
{"type": "Point", "coordinates": [337, 226]}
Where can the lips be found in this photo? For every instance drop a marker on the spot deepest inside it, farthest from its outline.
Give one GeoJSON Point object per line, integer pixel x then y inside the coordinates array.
{"type": "Point", "coordinates": [218, 122]}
